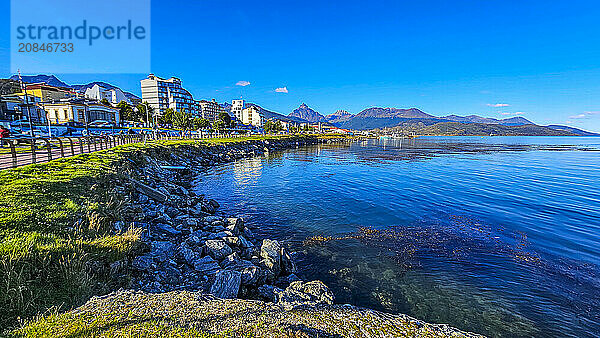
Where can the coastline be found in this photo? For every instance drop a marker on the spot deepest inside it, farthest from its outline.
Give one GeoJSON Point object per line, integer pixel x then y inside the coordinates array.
{"type": "Point", "coordinates": [172, 243]}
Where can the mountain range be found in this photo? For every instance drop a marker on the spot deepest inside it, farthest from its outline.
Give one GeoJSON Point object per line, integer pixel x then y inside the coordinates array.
{"type": "Point", "coordinates": [52, 80]}
{"type": "Point", "coordinates": [370, 118]}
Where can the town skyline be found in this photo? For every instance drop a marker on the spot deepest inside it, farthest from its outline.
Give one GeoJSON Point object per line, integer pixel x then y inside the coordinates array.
{"type": "Point", "coordinates": [548, 75]}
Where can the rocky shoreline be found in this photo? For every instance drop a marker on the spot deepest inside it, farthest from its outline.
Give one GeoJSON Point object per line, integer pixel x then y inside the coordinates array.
{"type": "Point", "coordinates": [201, 273]}
{"type": "Point", "coordinates": [188, 246]}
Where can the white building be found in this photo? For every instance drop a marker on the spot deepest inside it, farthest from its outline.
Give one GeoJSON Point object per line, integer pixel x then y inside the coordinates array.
{"type": "Point", "coordinates": [253, 116]}
{"type": "Point", "coordinates": [80, 110]}
{"type": "Point", "coordinates": [237, 107]}
{"type": "Point", "coordinates": [99, 93]}
{"type": "Point", "coordinates": [210, 110]}
{"type": "Point", "coordinates": [167, 93]}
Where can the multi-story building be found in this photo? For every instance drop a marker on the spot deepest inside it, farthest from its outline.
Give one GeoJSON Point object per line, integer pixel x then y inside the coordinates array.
{"type": "Point", "coordinates": [210, 110]}
{"type": "Point", "coordinates": [80, 110]}
{"type": "Point", "coordinates": [253, 116]}
{"type": "Point", "coordinates": [237, 107]}
{"type": "Point", "coordinates": [167, 93]}
{"type": "Point", "coordinates": [114, 95]}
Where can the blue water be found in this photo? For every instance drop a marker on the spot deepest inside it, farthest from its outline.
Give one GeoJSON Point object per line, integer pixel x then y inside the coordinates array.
{"type": "Point", "coordinates": [496, 235]}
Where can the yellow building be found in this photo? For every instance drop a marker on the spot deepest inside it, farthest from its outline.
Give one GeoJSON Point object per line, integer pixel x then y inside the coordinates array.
{"type": "Point", "coordinates": [47, 93]}
{"type": "Point", "coordinates": [81, 111]}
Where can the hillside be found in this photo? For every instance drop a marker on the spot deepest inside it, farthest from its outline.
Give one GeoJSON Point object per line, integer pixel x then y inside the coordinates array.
{"type": "Point", "coordinates": [338, 117]}
{"type": "Point", "coordinates": [573, 130]}
{"type": "Point", "coordinates": [512, 121]}
{"type": "Point", "coordinates": [475, 129]}
{"type": "Point", "coordinates": [52, 80]}
{"type": "Point", "coordinates": [47, 79]}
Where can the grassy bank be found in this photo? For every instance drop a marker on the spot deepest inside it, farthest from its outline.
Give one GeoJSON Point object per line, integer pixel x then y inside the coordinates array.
{"type": "Point", "coordinates": [186, 314]}
{"type": "Point", "coordinates": [56, 221]}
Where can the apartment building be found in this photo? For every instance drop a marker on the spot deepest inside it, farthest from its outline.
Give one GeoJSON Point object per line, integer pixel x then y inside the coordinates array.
{"type": "Point", "coordinates": [210, 110]}
{"type": "Point", "coordinates": [167, 93]}
{"type": "Point", "coordinates": [253, 116]}
{"type": "Point", "coordinates": [237, 108]}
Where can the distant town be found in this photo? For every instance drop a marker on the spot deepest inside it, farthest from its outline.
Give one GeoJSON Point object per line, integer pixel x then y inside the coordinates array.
{"type": "Point", "coordinates": [39, 108]}
{"type": "Point", "coordinates": [44, 106]}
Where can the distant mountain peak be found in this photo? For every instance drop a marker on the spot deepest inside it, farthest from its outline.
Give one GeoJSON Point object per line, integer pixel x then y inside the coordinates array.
{"type": "Point", "coordinates": [41, 78]}
{"type": "Point", "coordinates": [306, 113]}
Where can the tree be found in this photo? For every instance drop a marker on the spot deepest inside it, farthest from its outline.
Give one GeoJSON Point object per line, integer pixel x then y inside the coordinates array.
{"type": "Point", "coordinates": [182, 120]}
{"type": "Point", "coordinates": [200, 123]}
{"type": "Point", "coordinates": [105, 102]}
{"type": "Point", "coordinates": [273, 126]}
{"type": "Point", "coordinates": [219, 125]}
{"type": "Point", "coordinates": [126, 111]}
{"type": "Point", "coordinates": [144, 112]}
{"type": "Point", "coordinates": [225, 118]}
{"type": "Point", "coordinates": [167, 116]}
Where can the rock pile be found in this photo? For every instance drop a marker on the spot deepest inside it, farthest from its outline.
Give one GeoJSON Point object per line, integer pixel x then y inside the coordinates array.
{"type": "Point", "coordinates": [189, 247]}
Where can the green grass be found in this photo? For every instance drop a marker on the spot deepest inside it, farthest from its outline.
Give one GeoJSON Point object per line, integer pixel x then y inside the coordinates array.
{"type": "Point", "coordinates": [55, 227]}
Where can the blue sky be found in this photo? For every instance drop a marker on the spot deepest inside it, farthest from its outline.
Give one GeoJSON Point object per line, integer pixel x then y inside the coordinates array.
{"type": "Point", "coordinates": [536, 59]}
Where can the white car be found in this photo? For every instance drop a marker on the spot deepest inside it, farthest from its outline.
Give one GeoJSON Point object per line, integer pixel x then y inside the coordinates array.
{"type": "Point", "coordinates": [100, 123]}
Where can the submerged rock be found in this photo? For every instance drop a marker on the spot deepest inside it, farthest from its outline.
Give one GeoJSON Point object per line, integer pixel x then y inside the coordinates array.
{"type": "Point", "coordinates": [305, 294]}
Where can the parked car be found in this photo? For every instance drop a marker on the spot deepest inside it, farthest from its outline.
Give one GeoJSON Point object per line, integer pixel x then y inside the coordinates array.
{"type": "Point", "coordinates": [100, 124]}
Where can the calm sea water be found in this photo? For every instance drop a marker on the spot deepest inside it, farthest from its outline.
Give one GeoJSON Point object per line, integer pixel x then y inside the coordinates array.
{"type": "Point", "coordinates": [496, 235]}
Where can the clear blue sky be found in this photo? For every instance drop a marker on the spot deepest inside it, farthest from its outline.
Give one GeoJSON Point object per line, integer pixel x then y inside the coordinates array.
{"type": "Point", "coordinates": [541, 58]}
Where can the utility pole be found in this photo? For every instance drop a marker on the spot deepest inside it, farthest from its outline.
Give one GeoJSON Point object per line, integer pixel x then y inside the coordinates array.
{"type": "Point", "coordinates": [26, 103]}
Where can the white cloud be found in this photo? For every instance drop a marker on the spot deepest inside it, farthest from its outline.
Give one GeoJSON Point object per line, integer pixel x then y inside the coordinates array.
{"type": "Point", "coordinates": [515, 113]}
{"type": "Point", "coordinates": [281, 90]}
{"type": "Point", "coordinates": [578, 116]}
{"type": "Point", "coordinates": [243, 83]}
{"type": "Point", "coordinates": [585, 115]}
{"type": "Point", "coordinates": [497, 105]}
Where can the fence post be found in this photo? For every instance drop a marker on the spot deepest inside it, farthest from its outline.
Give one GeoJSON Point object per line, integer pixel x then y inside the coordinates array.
{"type": "Point", "coordinates": [13, 153]}
{"type": "Point", "coordinates": [49, 147]}
{"type": "Point", "coordinates": [62, 150]}
{"type": "Point", "coordinates": [33, 159]}
{"type": "Point", "coordinates": [72, 147]}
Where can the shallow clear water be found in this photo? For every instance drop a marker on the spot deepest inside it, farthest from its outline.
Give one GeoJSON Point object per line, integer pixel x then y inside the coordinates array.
{"type": "Point", "coordinates": [496, 235]}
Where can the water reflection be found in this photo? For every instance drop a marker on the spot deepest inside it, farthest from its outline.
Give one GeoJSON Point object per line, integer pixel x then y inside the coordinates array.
{"type": "Point", "coordinates": [495, 235]}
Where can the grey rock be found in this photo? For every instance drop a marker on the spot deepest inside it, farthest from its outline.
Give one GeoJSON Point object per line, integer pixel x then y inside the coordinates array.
{"type": "Point", "coordinates": [253, 275]}
{"type": "Point", "coordinates": [244, 243]}
{"type": "Point", "coordinates": [187, 255]}
{"type": "Point", "coordinates": [235, 225]}
{"type": "Point", "coordinates": [212, 218]}
{"type": "Point", "coordinates": [234, 262]}
{"type": "Point", "coordinates": [270, 252]}
{"type": "Point", "coordinates": [305, 294]}
{"type": "Point", "coordinates": [287, 264]}
{"type": "Point", "coordinates": [162, 250]}
{"type": "Point", "coordinates": [167, 229]}
{"type": "Point", "coordinates": [206, 265]}
{"type": "Point", "coordinates": [227, 284]}
{"type": "Point", "coordinates": [217, 249]}
{"type": "Point", "coordinates": [269, 292]}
